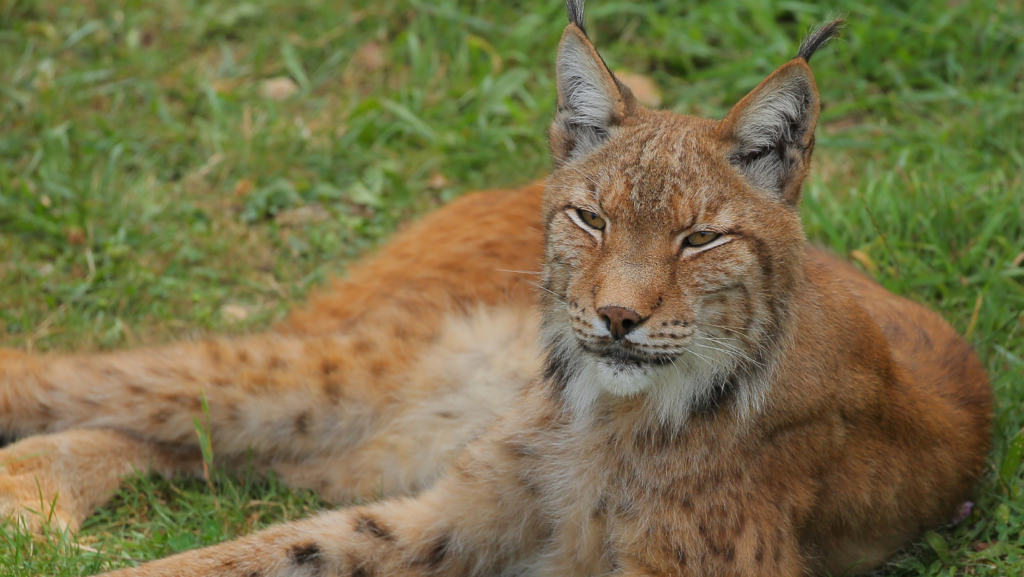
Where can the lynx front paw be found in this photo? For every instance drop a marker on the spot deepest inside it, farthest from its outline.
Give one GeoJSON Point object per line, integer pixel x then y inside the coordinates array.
{"type": "Point", "coordinates": [30, 493]}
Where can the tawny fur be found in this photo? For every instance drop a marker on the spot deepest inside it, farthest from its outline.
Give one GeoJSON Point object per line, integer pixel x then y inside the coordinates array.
{"type": "Point", "coordinates": [774, 412]}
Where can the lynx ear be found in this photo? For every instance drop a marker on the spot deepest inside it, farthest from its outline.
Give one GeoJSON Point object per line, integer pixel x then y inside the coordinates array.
{"type": "Point", "coordinates": [591, 101]}
{"type": "Point", "coordinates": [772, 129]}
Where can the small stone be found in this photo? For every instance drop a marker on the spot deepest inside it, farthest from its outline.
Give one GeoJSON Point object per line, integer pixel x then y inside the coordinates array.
{"type": "Point", "coordinates": [234, 313]}
{"type": "Point", "coordinates": [302, 215]}
{"type": "Point", "coordinates": [437, 182]}
{"type": "Point", "coordinates": [243, 187]}
{"type": "Point", "coordinates": [369, 57]}
{"type": "Point", "coordinates": [279, 88]}
{"type": "Point", "coordinates": [75, 235]}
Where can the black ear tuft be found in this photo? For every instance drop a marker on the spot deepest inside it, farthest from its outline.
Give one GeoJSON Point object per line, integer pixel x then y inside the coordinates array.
{"type": "Point", "coordinates": [817, 38]}
{"type": "Point", "coordinates": [575, 8]}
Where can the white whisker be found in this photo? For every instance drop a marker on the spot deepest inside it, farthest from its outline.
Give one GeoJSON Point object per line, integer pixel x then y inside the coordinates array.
{"type": "Point", "coordinates": [551, 292]}
{"type": "Point", "coordinates": [731, 348]}
{"type": "Point", "coordinates": [520, 271]}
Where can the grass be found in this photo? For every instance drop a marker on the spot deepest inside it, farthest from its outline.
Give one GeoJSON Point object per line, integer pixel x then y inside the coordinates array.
{"type": "Point", "coordinates": [151, 191]}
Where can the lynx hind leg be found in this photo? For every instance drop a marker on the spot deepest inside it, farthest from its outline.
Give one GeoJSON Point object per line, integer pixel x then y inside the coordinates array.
{"type": "Point", "coordinates": [274, 395]}
{"type": "Point", "coordinates": [328, 376]}
{"type": "Point", "coordinates": [279, 398]}
{"type": "Point", "coordinates": [322, 385]}
{"type": "Point", "coordinates": [57, 480]}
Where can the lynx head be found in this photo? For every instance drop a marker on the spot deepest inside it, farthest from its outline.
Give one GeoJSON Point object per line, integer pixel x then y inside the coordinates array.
{"type": "Point", "coordinates": [674, 244]}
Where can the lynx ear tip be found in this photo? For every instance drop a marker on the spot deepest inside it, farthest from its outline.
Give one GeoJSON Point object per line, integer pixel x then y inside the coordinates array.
{"type": "Point", "coordinates": [819, 37]}
{"type": "Point", "coordinates": [575, 9]}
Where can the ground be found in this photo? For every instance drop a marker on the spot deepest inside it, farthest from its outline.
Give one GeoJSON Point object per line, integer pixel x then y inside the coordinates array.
{"type": "Point", "coordinates": [171, 169]}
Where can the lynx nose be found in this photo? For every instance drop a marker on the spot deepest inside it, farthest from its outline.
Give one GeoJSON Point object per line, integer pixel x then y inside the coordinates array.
{"type": "Point", "coordinates": [619, 320]}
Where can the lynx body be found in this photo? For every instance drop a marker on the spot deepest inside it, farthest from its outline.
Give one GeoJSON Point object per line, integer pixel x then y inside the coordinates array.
{"type": "Point", "coordinates": [638, 368]}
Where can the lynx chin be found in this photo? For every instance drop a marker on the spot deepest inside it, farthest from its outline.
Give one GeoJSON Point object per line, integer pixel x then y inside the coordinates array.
{"type": "Point", "coordinates": [636, 368]}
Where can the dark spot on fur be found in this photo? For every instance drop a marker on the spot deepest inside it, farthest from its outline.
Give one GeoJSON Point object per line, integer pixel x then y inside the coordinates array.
{"type": "Point", "coordinates": [323, 486]}
{"type": "Point", "coordinates": [46, 412]}
{"type": "Point", "coordinates": [213, 350]}
{"type": "Point", "coordinates": [556, 372]}
{"type": "Point", "coordinates": [657, 438]}
{"type": "Point", "coordinates": [613, 561]}
{"type": "Point", "coordinates": [447, 415]}
{"type": "Point", "coordinates": [328, 367]}
{"type": "Point", "coordinates": [370, 526]}
{"type": "Point", "coordinates": [601, 508]}
{"type": "Point", "coordinates": [521, 449]}
{"type": "Point", "coordinates": [461, 470]}
{"type": "Point", "coordinates": [302, 422]}
{"type": "Point", "coordinates": [925, 338]}
{"type": "Point", "coordinates": [435, 553]}
{"type": "Point", "coordinates": [741, 522]}
{"type": "Point", "coordinates": [276, 363]}
{"type": "Point", "coordinates": [718, 394]}
{"type": "Point", "coordinates": [528, 483]}
{"type": "Point", "coordinates": [378, 368]}
{"type": "Point", "coordinates": [305, 554]}
{"type": "Point", "coordinates": [777, 553]}
{"type": "Point", "coordinates": [715, 544]}
{"type": "Point", "coordinates": [680, 556]}
{"type": "Point", "coordinates": [192, 403]}
{"type": "Point", "coordinates": [333, 391]}
{"type": "Point", "coordinates": [136, 390]}
{"type": "Point", "coordinates": [360, 572]}
{"type": "Point", "coordinates": [162, 416]}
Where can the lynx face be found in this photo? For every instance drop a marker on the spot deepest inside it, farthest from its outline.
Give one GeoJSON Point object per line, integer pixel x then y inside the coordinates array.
{"type": "Point", "coordinates": [672, 241]}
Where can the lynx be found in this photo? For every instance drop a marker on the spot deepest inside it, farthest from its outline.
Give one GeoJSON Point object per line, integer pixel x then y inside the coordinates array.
{"type": "Point", "coordinates": [637, 368]}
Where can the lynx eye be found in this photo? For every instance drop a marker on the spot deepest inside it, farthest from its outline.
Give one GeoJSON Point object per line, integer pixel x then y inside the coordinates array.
{"type": "Point", "coordinates": [591, 219]}
{"type": "Point", "coordinates": [701, 238]}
